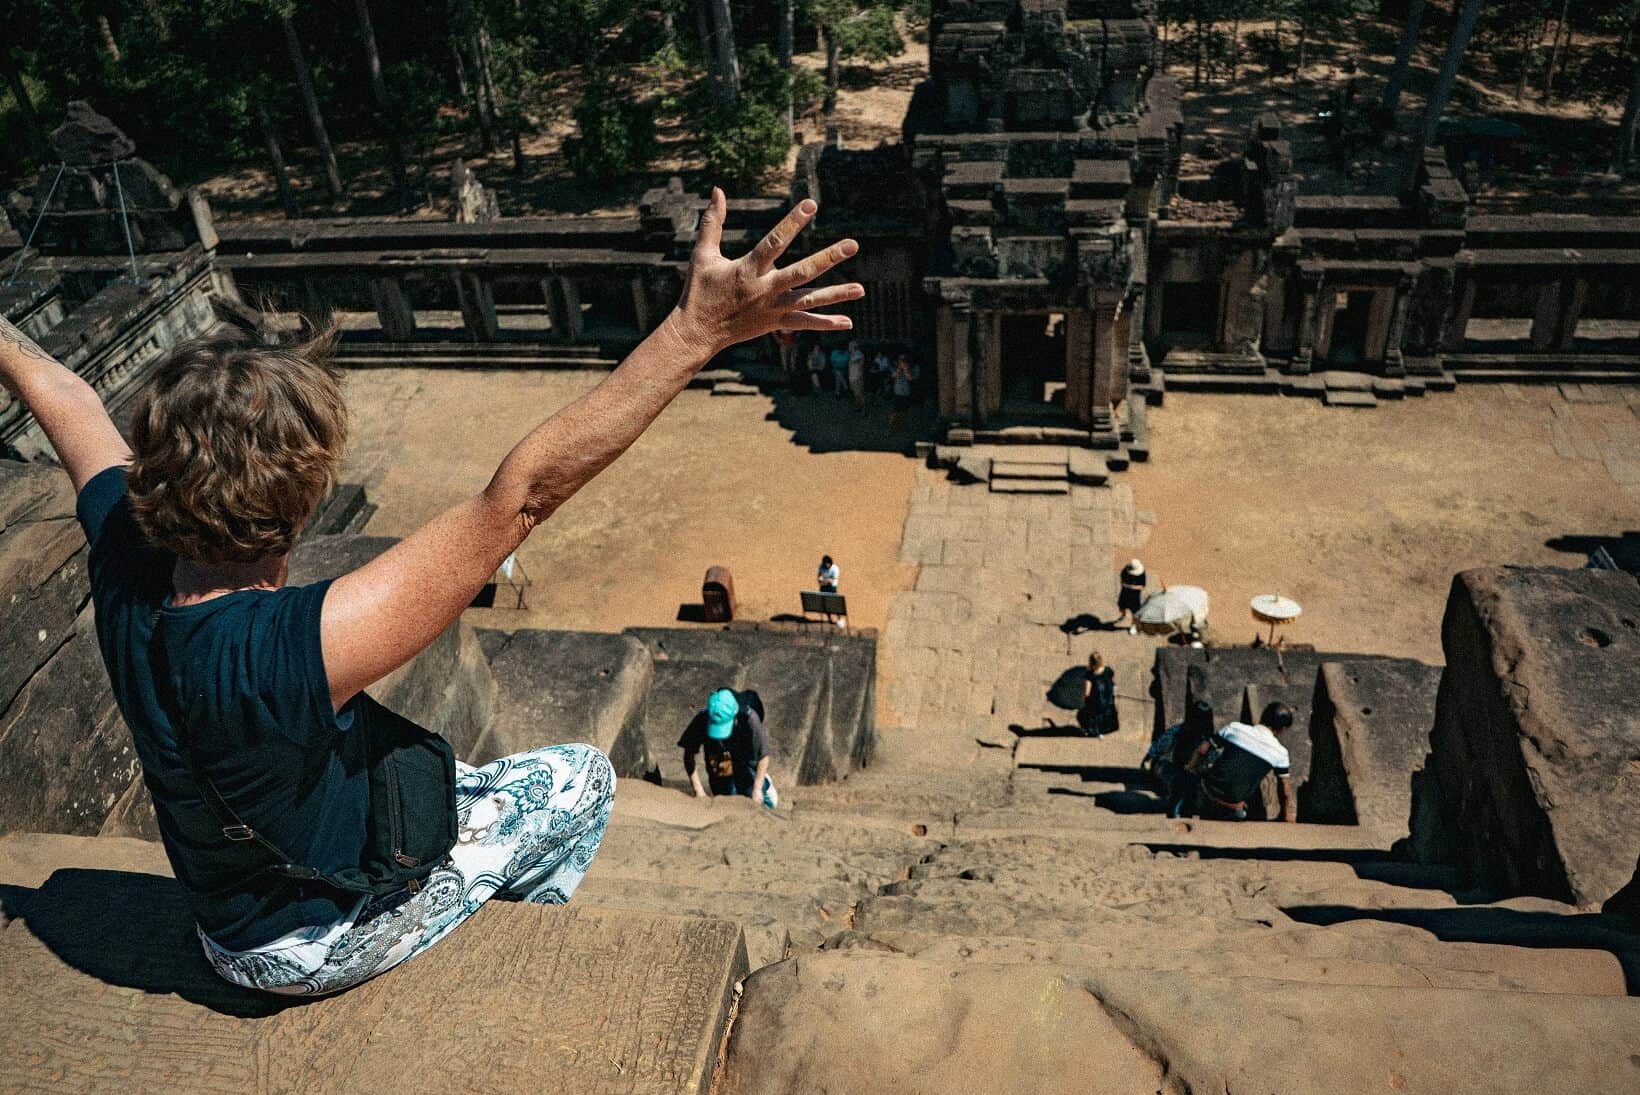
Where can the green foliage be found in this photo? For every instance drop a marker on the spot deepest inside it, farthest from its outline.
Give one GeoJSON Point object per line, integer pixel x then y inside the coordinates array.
{"type": "Point", "coordinates": [866, 30]}
{"type": "Point", "coordinates": [615, 133]}
{"type": "Point", "coordinates": [744, 142]}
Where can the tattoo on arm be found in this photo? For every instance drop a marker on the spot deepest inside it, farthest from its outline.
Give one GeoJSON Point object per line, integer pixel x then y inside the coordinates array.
{"type": "Point", "coordinates": [12, 338]}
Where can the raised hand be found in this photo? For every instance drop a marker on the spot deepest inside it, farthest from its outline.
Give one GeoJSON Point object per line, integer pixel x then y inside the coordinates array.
{"type": "Point", "coordinates": [728, 301]}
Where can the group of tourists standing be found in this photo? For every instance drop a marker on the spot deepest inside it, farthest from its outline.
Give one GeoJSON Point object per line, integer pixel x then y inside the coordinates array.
{"type": "Point", "coordinates": [847, 371]}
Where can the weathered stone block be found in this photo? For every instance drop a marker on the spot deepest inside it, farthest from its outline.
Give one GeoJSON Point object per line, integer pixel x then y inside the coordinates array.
{"type": "Point", "coordinates": [556, 687]}
{"type": "Point", "coordinates": [104, 985]}
{"type": "Point", "coordinates": [1530, 778]}
{"type": "Point", "coordinates": [1368, 737]}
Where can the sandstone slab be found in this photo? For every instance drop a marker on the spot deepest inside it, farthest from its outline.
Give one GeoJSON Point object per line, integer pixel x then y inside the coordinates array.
{"type": "Point", "coordinates": [821, 1023]}
{"type": "Point", "coordinates": [1368, 736]}
{"type": "Point", "coordinates": [102, 985]}
{"type": "Point", "coordinates": [556, 687]}
{"type": "Point", "coordinates": [1530, 780]}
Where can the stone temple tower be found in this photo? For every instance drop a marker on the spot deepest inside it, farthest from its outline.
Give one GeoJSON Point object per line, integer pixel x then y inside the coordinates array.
{"type": "Point", "coordinates": [1044, 140]}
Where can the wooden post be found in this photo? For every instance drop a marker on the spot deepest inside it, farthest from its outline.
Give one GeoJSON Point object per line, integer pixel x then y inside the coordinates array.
{"type": "Point", "coordinates": [398, 319]}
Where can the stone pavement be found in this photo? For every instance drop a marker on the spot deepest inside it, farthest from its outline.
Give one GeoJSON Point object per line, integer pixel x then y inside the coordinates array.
{"type": "Point", "coordinates": [1599, 423]}
{"type": "Point", "coordinates": [1006, 602]}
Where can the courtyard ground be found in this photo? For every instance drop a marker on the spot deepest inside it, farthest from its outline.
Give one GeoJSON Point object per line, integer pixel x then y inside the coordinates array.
{"type": "Point", "coordinates": [1364, 516]}
{"type": "Point", "coordinates": [713, 482]}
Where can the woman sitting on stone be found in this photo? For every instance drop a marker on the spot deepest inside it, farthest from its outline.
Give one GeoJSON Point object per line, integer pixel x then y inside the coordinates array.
{"type": "Point", "coordinates": [287, 798]}
{"type": "Point", "coordinates": [1097, 715]}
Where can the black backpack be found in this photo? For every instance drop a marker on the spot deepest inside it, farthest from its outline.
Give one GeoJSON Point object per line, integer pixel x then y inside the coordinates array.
{"type": "Point", "coordinates": [406, 764]}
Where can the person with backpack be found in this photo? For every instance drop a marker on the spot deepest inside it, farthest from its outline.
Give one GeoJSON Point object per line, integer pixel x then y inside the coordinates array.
{"type": "Point", "coordinates": [320, 837]}
{"type": "Point", "coordinates": [729, 731]}
{"type": "Point", "coordinates": [1232, 763]}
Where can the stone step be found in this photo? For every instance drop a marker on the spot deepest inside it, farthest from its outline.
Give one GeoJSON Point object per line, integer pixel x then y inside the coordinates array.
{"type": "Point", "coordinates": [1298, 953]}
{"type": "Point", "coordinates": [1265, 383]}
{"type": "Point", "coordinates": [1028, 486]}
{"type": "Point", "coordinates": [1346, 398]}
{"type": "Point", "coordinates": [808, 916]}
{"type": "Point", "coordinates": [1021, 469]}
{"type": "Point", "coordinates": [815, 1023]}
{"type": "Point", "coordinates": [102, 985]}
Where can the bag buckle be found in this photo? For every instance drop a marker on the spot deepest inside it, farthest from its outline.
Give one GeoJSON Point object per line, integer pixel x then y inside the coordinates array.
{"type": "Point", "coordinates": [239, 832]}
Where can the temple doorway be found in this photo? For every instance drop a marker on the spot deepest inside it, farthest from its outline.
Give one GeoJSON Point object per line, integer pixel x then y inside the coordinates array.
{"type": "Point", "coordinates": [1033, 363]}
{"type": "Point", "coordinates": [1190, 315]}
{"type": "Point", "coordinates": [1352, 317]}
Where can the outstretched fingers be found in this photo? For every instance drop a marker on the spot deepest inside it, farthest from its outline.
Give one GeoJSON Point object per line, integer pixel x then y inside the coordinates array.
{"type": "Point", "coordinates": [780, 237]}
{"type": "Point", "coordinates": [825, 296]}
{"type": "Point", "coordinates": [709, 237]}
{"type": "Point", "coordinates": [815, 321]}
{"type": "Point", "coordinates": [801, 273]}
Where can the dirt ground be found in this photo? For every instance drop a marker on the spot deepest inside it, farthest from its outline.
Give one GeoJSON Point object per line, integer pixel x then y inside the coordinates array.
{"type": "Point", "coordinates": [1363, 516]}
{"type": "Point", "coordinates": [714, 481]}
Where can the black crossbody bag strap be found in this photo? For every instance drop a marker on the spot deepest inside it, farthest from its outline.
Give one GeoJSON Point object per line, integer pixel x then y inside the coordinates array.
{"type": "Point", "coordinates": [233, 827]}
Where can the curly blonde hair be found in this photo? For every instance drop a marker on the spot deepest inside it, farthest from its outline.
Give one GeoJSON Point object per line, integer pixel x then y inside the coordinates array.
{"type": "Point", "coordinates": [236, 444]}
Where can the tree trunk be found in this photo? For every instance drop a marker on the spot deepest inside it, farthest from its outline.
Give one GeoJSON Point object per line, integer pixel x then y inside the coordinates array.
{"type": "Point", "coordinates": [1235, 46]}
{"type": "Point", "coordinates": [786, 50]}
{"type": "Point", "coordinates": [378, 88]}
{"type": "Point", "coordinates": [461, 72]}
{"type": "Point", "coordinates": [477, 79]}
{"type": "Point", "coordinates": [1443, 85]}
{"type": "Point", "coordinates": [1403, 58]}
{"type": "Point", "coordinates": [1626, 129]}
{"type": "Point", "coordinates": [105, 31]}
{"type": "Point", "coordinates": [1201, 48]}
{"type": "Point", "coordinates": [1562, 26]}
{"type": "Point", "coordinates": [276, 156]}
{"type": "Point", "coordinates": [832, 72]}
{"type": "Point", "coordinates": [310, 101]}
{"type": "Point", "coordinates": [25, 105]}
{"type": "Point", "coordinates": [499, 111]}
{"type": "Point", "coordinates": [1528, 39]}
{"type": "Point", "coordinates": [723, 48]}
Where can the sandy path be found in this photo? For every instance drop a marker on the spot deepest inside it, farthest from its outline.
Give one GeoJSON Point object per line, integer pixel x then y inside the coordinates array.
{"type": "Point", "coordinates": [1364, 516]}
{"type": "Point", "coordinates": [712, 482]}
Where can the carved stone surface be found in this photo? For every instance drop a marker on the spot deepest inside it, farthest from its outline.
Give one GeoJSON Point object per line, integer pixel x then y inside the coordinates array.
{"type": "Point", "coordinates": [103, 984]}
{"type": "Point", "coordinates": [1530, 778]}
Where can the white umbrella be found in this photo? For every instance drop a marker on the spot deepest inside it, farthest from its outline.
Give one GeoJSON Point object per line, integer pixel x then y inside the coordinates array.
{"type": "Point", "coordinates": [1274, 609]}
{"type": "Point", "coordinates": [1167, 611]}
{"type": "Point", "coordinates": [1197, 598]}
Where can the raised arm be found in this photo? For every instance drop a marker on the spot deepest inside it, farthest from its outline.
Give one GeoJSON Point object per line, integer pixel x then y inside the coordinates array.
{"type": "Point", "coordinates": [66, 407]}
{"type": "Point", "coordinates": [381, 615]}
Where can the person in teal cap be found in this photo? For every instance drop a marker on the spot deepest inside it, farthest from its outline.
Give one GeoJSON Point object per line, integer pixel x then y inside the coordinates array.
{"type": "Point", "coordinates": [729, 730]}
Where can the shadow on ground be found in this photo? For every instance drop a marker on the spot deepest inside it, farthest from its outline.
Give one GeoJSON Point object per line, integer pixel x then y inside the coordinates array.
{"type": "Point", "coordinates": [133, 930]}
{"type": "Point", "coordinates": [1507, 927]}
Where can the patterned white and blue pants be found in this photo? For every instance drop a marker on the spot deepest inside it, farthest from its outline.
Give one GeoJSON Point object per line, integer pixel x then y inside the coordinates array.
{"type": "Point", "coordinates": [529, 827]}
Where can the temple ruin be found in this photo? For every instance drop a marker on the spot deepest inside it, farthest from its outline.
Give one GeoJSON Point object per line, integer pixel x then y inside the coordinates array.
{"type": "Point", "coordinates": [961, 898]}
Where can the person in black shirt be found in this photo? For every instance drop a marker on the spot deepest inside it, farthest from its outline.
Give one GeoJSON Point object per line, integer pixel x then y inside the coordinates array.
{"type": "Point", "coordinates": [729, 730]}
{"type": "Point", "coordinates": [225, 672]}
{"type": "Point", "coordinates": [1234, 761]}
{"type": "Point", "coordinates": [1097, 715]}
{"type": "Point", "coordinates": [1131, 597]}
{"type": "Point", "coordinates": [1196, 728]}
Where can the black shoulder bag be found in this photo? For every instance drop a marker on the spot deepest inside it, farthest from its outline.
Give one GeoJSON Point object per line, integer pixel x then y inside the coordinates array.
{"type": "Point", "coordinates": [406, 765]}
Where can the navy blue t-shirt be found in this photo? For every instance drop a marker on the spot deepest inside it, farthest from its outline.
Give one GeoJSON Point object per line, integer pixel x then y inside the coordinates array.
{"type": "Point", "coordinates": [248, 685]}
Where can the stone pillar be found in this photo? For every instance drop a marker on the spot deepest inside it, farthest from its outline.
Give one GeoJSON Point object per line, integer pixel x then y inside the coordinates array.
{"type": "Point", "coordinates": [1079, 364]}
{"type": "Point", "coordinates": [1304, 347]}
{"type": "Point", "coordinates": [962, 363]}
{"type": "Point", "coordinates": [477, 298]}
{"type": "Point", "coordinates": [1277, 339]}
{"type": "Point", "coordinates": [1395, 341]}
{"type": "Point", "coordinates": [555, 309]}
{"type": "Point", "coordinates": [1573, 296]}
{"type": "Point", "coordinates": [1326, 305]}
{"type": "Point", "coordinates": [1378, 321]}
{"type": "Point", "coordinates": [571, 296]}
{"type": "Point", "coordinates": [398, 319]}
{"type": "Point", "coordinates": [1463, 304]}
{"type": "Point", "coordinates": [642, 313]}
{"type": "Point", "coordinates": [944, 358]}
{"type": "Point", "coordinates": [1105, 378]}
{"type": "Point", "coordinates": [988, 357]}
{"type": "Point", "coordinates": [315, 301]}
{"type": "Point", "coordinates": [1236, 284]}
{"type": "Point", "coordinates": [1137, 313]}
{"type": "Point", "coordinates": [1546, 317]}
{"type": "Point", "coordinates": [1153, 311]}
